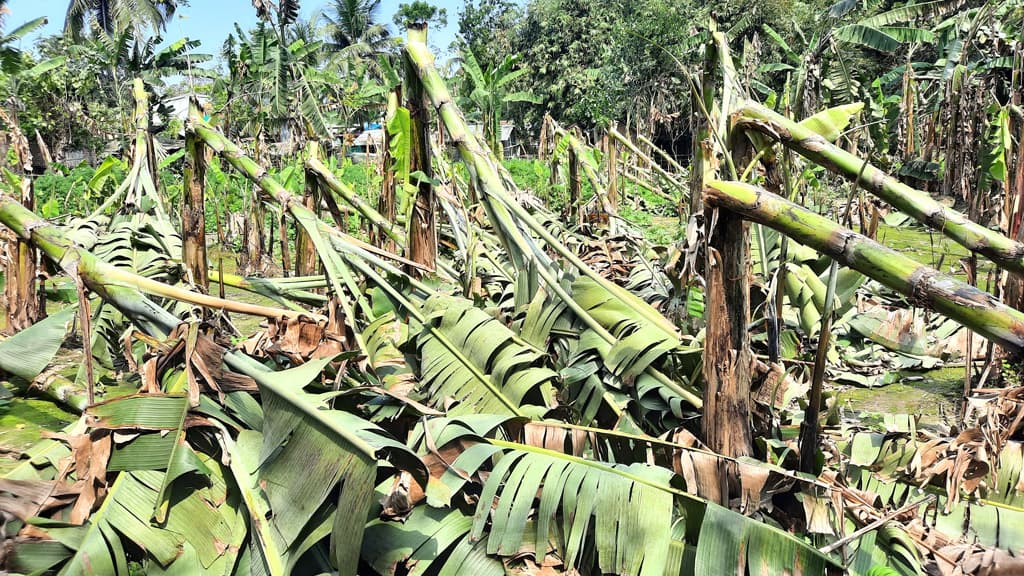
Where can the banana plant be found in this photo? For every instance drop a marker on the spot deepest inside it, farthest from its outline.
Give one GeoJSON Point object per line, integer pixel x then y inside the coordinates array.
{"type": "Point", "coordinates": [492, 92]}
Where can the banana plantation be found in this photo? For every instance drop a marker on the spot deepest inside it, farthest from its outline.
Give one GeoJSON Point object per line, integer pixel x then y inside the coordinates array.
{"type": "Point", "coordinates": [306, 308]}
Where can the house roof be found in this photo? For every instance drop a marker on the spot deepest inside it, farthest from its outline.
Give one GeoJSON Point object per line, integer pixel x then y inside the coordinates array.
{"type": "Point", "coordinates": [506, 130]}
{"type": "Point", "coordinates": [178, 106]}
{"type": "Point", "coordinates": [373, 137]}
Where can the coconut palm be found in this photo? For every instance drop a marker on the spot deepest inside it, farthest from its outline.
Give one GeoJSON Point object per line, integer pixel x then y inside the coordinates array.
{"type": "Point", "coordinates": [354, 29]}
{"type": "Point", "coordinates": [114, 15]}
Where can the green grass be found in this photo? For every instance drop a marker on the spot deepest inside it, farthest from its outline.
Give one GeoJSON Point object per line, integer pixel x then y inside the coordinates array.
{"type": "Point", "coordinates": [655, 216]}
{"type": "Point", "coordinates": [930, 248]}
{"type": "Point", "coordinates": [935, 397]}
{"type": "Point", "coordinates": [247, 325]}
{"type": "Point", "coordinates": [22, 422]}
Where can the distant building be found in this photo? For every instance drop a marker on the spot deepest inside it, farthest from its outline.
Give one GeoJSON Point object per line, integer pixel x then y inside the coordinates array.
{"type": "Point", "coordinates": [176, 108]}
{"type": "Point", "coordinates": [508, 142]}
{"type": "Point", "coordinates": [366, 146]}
{"type": "Point", "coordinates": [506, 131]}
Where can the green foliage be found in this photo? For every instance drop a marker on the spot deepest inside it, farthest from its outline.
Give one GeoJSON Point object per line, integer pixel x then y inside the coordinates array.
{"type": "Point", "coordinates": [533, 175]}
{"type": "Point", "coordinates": [420, 12]}
{"type": "Point", "coordinates": [287, 480]}
{"type": "Point", "coordinates": [488, 29]}
{"type": "Point", "coordinates": [71, 191]}
{"type": "Point", "coordinates": [492, 92]}
{"type": "Point", "coordinates": [113, 16]}
{"type": "Point", "coordinates": [12, 59]}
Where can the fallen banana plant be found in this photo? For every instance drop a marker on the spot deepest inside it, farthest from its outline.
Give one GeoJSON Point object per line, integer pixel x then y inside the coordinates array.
{"type": "Point", "coordinates": [968, 305]}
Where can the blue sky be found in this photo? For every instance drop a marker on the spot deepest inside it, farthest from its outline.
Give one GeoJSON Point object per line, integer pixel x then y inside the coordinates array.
{"type": "Point", "coordinates": [210, 21]}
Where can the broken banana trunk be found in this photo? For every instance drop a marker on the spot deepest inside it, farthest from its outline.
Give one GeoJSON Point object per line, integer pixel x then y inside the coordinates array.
{"type": "Point", "coordinates": [923, 285]}
{"type": "Point", "coordinates": [1005, 252]}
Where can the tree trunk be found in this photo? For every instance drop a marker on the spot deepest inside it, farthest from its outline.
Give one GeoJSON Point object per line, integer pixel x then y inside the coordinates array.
{"type": "Point", "coordinates": [649, 161]}
{"type": "Point", "coordinates": [578, 158]}
{"type": "Point", "coordinates": [727, 356]}
{"type": "Point", "coordinates": [574, 186]}
{"type": "Point", "coordinates": [282, 232]}
{"type": "Point", "coordinates": [702, 165]}
{"type": "Point", "coordinates": [330, 184]}
{"type": "Point", "coordinates": [193, 215]}
{"type": "Point", "coordinates": [422, 236]}
{"type": "Point", "coordinates": [728, 360]}
{"type": "Point", "coordinates": [251, 258]}
{"type": "Point", "coordinates": [1004, 252]}
{"type": "Point", "coordinates": [386, 204]}
{"type": "Point", "coordinates": [305, 252]}
{"type": "Point", "coordinates": [611, 153]}
{"type": "Point", "coordinates": [925, 286]}
{"type": "Point", "coordinates": [23, 299]}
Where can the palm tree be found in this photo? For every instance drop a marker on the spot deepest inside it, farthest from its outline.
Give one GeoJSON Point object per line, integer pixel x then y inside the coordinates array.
{"type": "Point", "coordinates": [114, 15]}
{"type": "Point", "coordinates": [353, 27]}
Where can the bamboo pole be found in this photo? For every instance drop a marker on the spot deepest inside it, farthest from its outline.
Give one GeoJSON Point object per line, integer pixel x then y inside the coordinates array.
{"type": "Point", "coordinates": [1004, 252]}
{"type": "Point", "coordinates": [925, 286]}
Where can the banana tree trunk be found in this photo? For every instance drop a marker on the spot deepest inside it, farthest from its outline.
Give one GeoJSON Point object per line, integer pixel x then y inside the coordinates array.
{"type": "Point", "coordinates": [727, 355]}
{"type": "Point", "coordinates": [647, 159]}
{"type": "Point", "coordinates": [282, 233]}
{"type": "Point", "coordinates": [702, 166]}
{"type": "Point", "coordinates": [480, 162]}
{"type": "Point", "coordinates": [483, 169]}
{"type": "Point", "coordinates": [665, 155]}
{"type": "Point", "coordinates": [924, 286]}
{"type": "Point", "coordinates": [305, 252]}
{"type": "Point", "coordinates": [574, 185]}
{"type": "Point", "coordinates": [386, 204]}
{"type": "Point", "coordinates": [1004, 252]}
{"type": "Point", "coordinates": [111, 282]}
{"type": "Point", "coordinates": [578, 155]}
{"type": "Point", "coordinates": [612, 153]}
{"type": "Point", "coordinates": [23, 300]}
{"type": "Point", "coordinates": [330, 184]}
{"type": "Point", "coordinates": [193, 212]}
{"type": "Point", "coordinates": [251, 259]}
{"type": "Point", "coordinates": [422, 236]}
